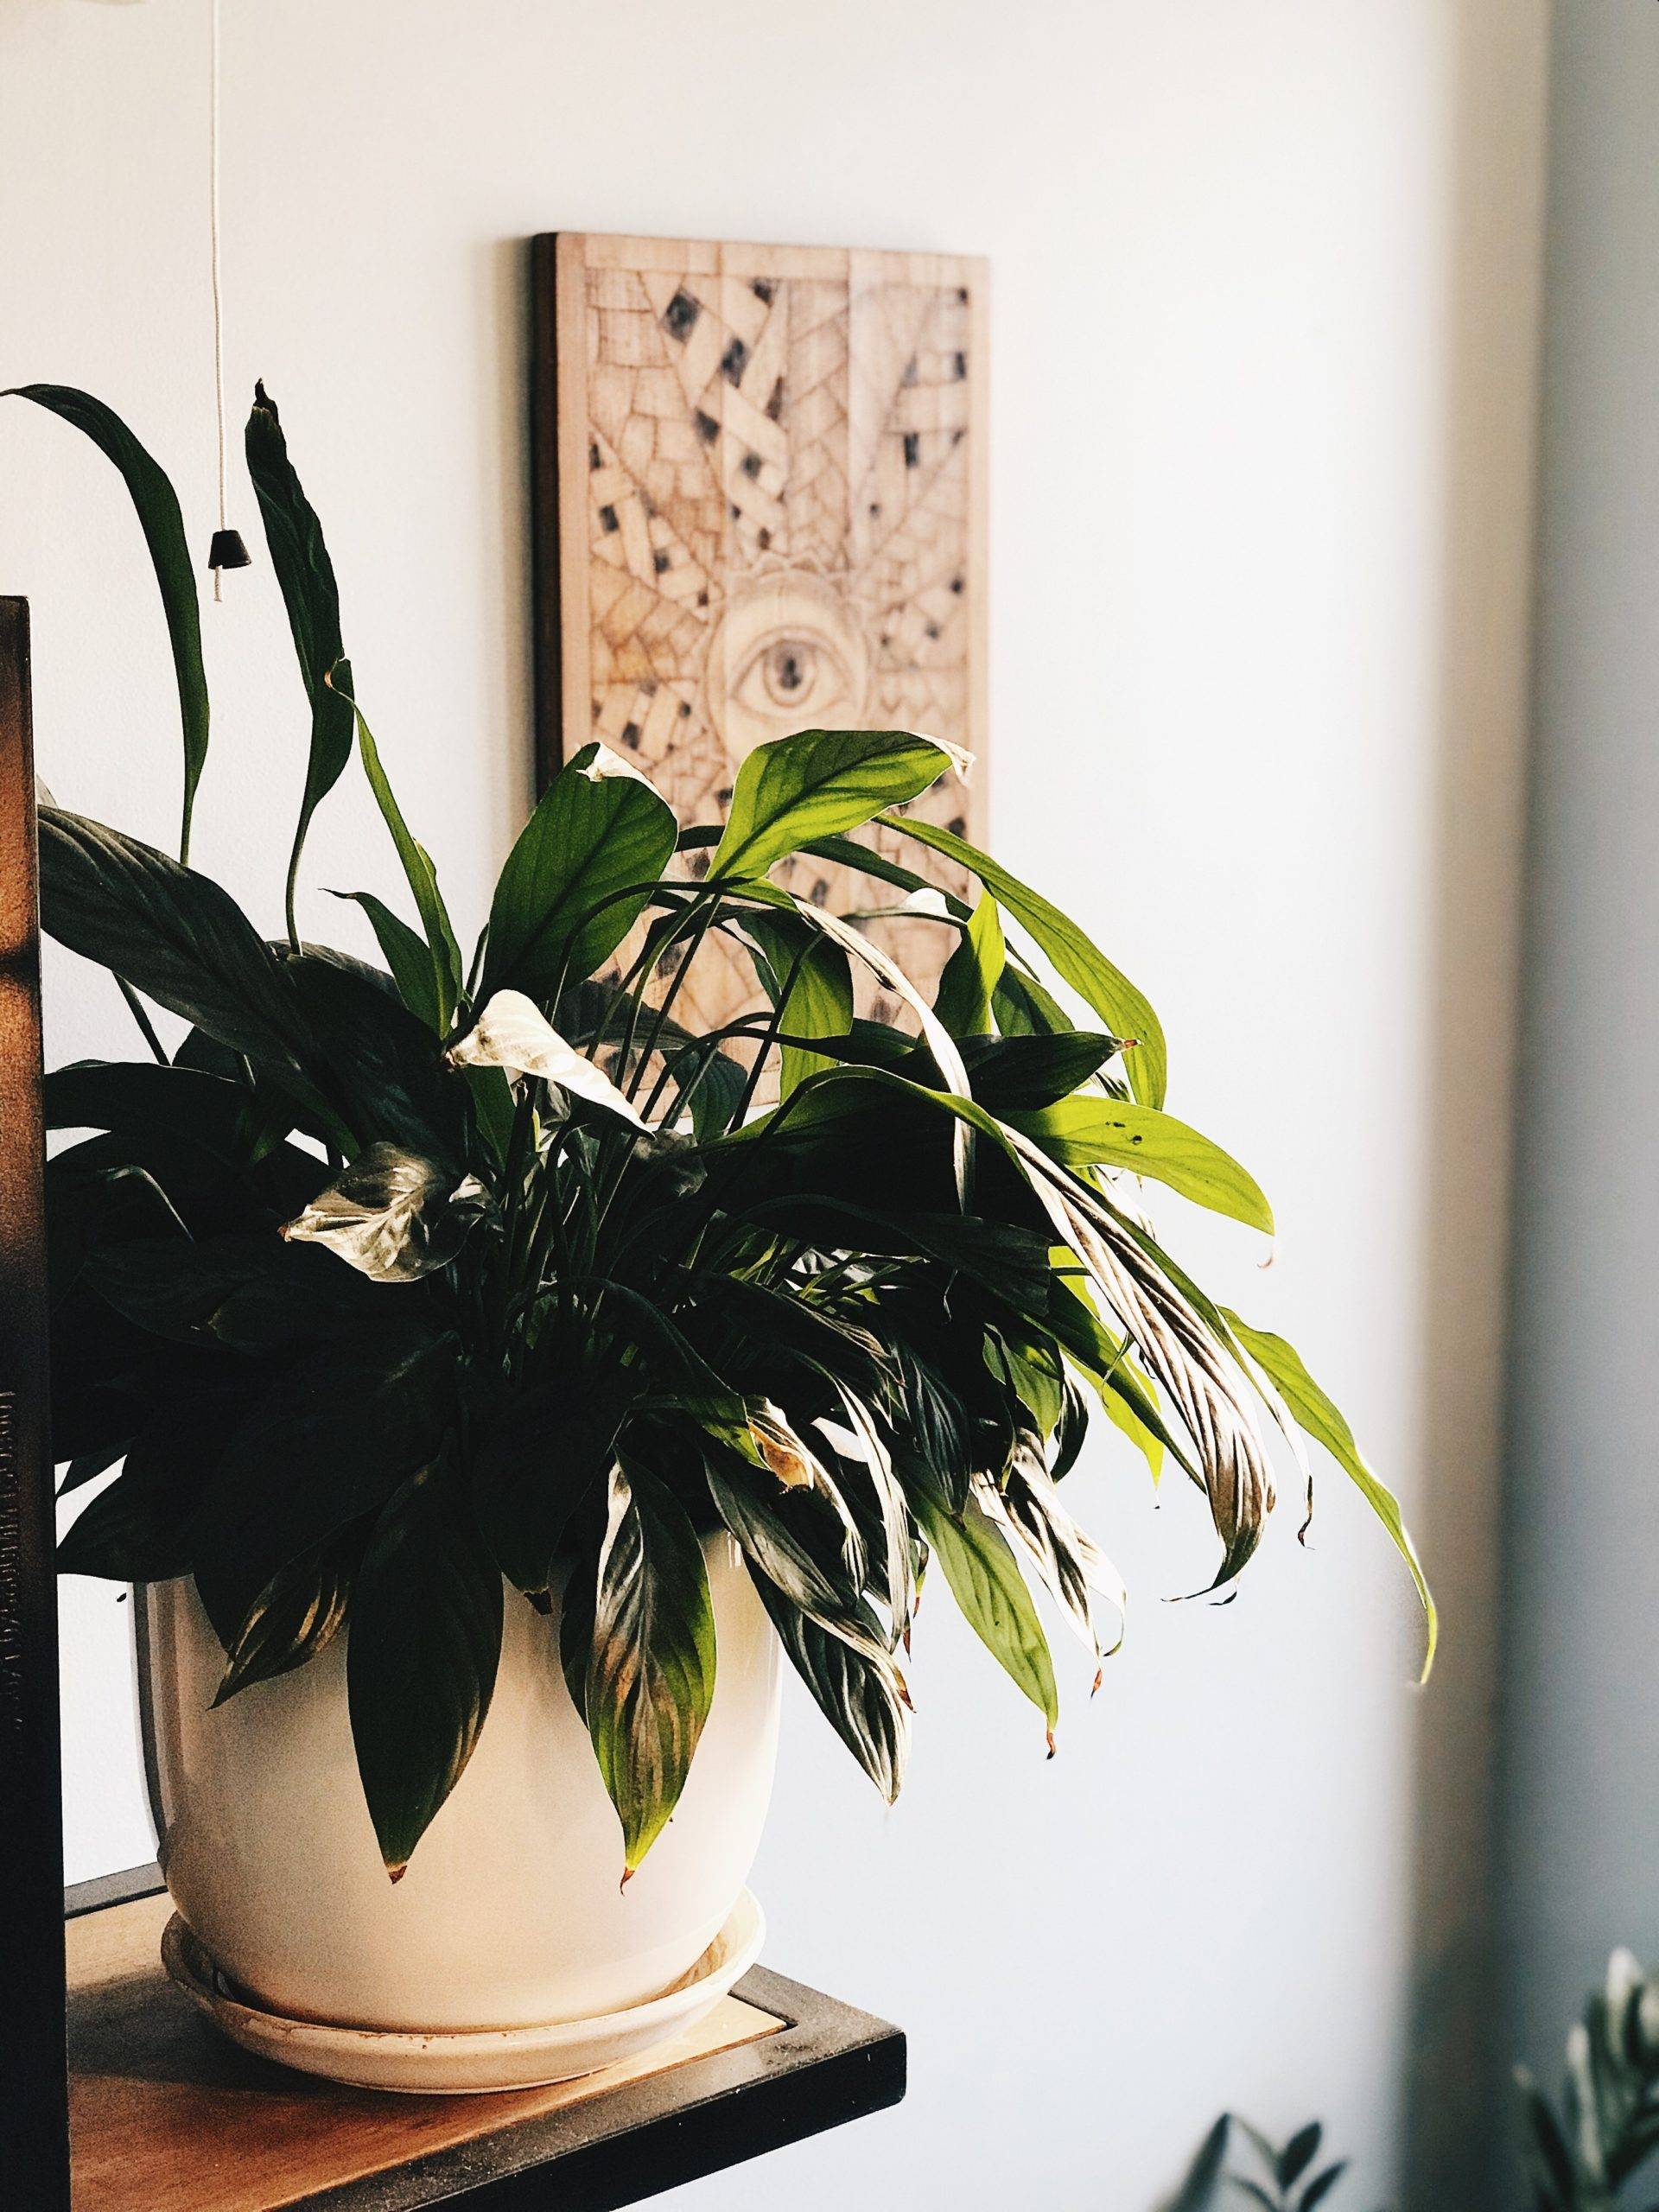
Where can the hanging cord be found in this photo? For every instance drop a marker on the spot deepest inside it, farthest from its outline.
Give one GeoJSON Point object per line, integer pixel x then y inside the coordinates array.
{"type": "Point", "coordinates": [227, 550]}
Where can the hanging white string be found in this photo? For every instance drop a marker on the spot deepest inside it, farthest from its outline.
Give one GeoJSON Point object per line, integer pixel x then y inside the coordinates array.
{"type": "Point", "coordinates": [219, 304]}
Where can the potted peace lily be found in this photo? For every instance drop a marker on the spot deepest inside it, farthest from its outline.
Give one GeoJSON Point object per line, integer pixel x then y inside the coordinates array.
{"type": "Point", "coordinates": [504, 1376]}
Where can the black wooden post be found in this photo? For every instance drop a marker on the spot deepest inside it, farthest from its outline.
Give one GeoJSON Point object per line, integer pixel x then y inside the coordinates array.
{"type": "Point", "coordinates": [34, 2129]}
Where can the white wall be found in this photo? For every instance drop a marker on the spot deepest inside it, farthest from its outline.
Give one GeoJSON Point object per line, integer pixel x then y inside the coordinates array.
{"type": "Point", "coordinates": [1265, 283]}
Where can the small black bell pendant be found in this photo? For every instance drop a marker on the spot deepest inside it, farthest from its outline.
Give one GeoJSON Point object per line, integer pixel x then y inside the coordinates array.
{"type": "Point", "coordinates": [227, 550]}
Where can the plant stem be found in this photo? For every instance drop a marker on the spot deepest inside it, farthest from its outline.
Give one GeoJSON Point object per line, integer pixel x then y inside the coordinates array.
{"type": "Point", "coordinates": [136, 1007]}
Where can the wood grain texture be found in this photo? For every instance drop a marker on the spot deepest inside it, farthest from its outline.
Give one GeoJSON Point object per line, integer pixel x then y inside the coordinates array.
{"type": "Point", "coordinates": [167, 2117]}
{"type": "Point", "coordinates": [761, 507]}
{"type": "Point", "coordinates": [33, 2167]}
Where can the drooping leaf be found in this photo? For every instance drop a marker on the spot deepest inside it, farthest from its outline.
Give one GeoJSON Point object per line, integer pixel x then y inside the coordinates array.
{"type": "Point", "coordinates": [1126, 1013]}
{"type": "Point", "coordinates": [579, 877]}
{"type": "Point", "coordinates": [1071, 1565]}
{"type": "Point", "coordinates": [513, 1033]}
{"type": "Point", "coordinates": [298, 1614]}
{"type": "Point", "coordinates": [1121, 1133]}
{"type": "Point", "coordinates": [820, 783]}
{"type": "Point", "coordinates": [859, 1691]}
{"type": "Point", "coordinates": [420, 1656]}
{"type": "Point", "coordinates": [393, 1215]}
{"type": "Point", "coordinates": [306, 577]}
{"type": "Point", "coordinates": [992, 1597]}
{"type": "Point", "coordinates": [1324, 1421]}
{"type": "Point", "coordinates": [157, 505]}
{"type": "Point", "coordinates": [650, 1666]}
{"type": "Point", "coordinates": [418, 872]}
{"type": "Point", "coordinates": [173, 934]}
{"type": "Point", "coordinates": [972, 974]}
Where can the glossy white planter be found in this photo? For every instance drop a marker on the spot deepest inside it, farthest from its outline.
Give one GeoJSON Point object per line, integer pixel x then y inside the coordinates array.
{"type": "Point", "coordinates": [511, 1915]}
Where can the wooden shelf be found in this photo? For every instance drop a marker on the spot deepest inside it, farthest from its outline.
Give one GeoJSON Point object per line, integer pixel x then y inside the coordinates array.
{"type": "Point", "coordinates": [166, 2116]}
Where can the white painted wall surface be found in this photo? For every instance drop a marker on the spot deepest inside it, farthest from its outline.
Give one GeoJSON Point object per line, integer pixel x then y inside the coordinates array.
{"type": "Point", "coordinates": [1264, 314]}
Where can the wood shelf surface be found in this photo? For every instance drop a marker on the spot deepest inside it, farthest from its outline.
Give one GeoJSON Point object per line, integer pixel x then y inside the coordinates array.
{"type": "Point", "coordinates": [167, 2116]}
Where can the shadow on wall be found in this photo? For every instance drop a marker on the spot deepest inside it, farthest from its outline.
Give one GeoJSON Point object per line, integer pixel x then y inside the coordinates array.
{"type": "Point", "coordinates": [1457, 2099]}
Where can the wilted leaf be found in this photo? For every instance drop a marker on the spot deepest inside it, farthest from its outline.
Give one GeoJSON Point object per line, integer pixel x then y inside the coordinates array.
{"type": "Point", "coordinates": [1071, 1565]}
{"type": "Point", "coordinates": [393, 1215]}
{"type": "Point", "coordinates": [859, 1691]}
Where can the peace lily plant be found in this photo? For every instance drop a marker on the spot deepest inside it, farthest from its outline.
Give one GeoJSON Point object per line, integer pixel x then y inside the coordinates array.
{"type": "Point", "coordinates": [408, 1295]}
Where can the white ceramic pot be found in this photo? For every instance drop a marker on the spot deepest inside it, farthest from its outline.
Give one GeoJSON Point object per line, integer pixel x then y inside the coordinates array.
{"type": "Point", "coordinates": [512, 1913]}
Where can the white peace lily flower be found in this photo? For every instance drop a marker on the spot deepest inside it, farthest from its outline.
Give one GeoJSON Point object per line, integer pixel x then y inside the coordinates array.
{"type": "Point", "coordinates": [512, 1033]}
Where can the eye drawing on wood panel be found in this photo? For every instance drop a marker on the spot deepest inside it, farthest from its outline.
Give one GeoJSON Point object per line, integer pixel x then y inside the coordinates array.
{"type": "Point", "coordinates": [776, 523]}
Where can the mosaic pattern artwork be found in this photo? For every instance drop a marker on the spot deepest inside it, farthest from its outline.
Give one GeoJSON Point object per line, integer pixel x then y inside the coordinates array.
{"type": "Point", "coordinates": [775, 522]}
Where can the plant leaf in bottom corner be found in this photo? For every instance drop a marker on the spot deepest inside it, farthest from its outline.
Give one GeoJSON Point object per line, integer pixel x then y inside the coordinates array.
{"type": "Point", "coordinates": [422, 1655]}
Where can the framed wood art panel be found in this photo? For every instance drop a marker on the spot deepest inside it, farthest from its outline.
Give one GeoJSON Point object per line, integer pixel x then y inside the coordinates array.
{"type": "Point", "coordinates": [760, 494]}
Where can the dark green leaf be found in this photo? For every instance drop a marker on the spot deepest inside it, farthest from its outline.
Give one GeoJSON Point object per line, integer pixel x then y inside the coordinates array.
{"type": "Point", "coordinates": [421, 878]}
{"type": "Point", "coordinates": [579, 877]}
{"type": "Point", "coordinates": [306, 575]}
{"type": "Point", "coordinates": [407, 955]}
{"type": "Point", "coordinates": [1298, 2154]}
{"type": "Point", "coordinates": [1198, 2191]}
{"type": "Point", "coordinates": [1024, 1074]}
{"type": "Point", "coordinates": [378, 1064]}
{"type": "Point", "coordinates": [1321, 2185]}
{"type": "Point", "coordinates": [250, 1294]}
{"type": "Point", "coordinates": [297, 1615]}
{"type": "Point", "coordinates": [534, 1468]}
{"type": "Point", "coordinates": [421, 1657]}
{"type": "Point", "coordinates": [817, 784]}
{"type": "Point", "coordinates": [171, 934]}
{"type": "Point", "coordinates": [157, 508]}
{"type": "Point", "coordinates": [332, 1439]}
{"type": "Point", "coordinates": [1114, 998]}
{"type": "Point", "coordinates": [650, 1666]}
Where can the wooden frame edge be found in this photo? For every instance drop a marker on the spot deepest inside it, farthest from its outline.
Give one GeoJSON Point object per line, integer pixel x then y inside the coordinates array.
{"type": "Point", "coordinates": [34, 2077]}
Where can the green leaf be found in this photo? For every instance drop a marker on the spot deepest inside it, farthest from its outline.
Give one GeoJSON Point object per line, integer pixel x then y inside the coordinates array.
{"type": "Point", "coordinates": [420, 876]}
{"type": "Point", "coordinates": [860, 1693]}
{"type": "Point", "coordinates": [1082, 964]}
{"type": "Point", "coordinates": [819, 782]}
{"type": "Point", "coordinates": [1012, 1075]}
{"type": "Point", "coordinates": [579, 877]}
{"type": "Point", "coordinates": [972, 974]}
{"type": "Point", "coordinates": [306, 575]}
{"type": "Point", "coordinates": [810, 983]}
{"type": "Point", "coordinates": [298, 1613]}
{"type": "Point", "coordinates": [991, 1593]}
{"type": "Point", "coordinates": [1121, 1133]}
{"type": "Point", "coordinates": [141, 1529]}
{"type": "Point", "coordinates": [1324, 1421]}
{"type": "Point", "coordinates": [406, 954]}
{"type": "Point", "coordinates": [651, 1667]}
{"type": "Point", "coordinates": [422, 1656]}
{"type": "Point", "coordinates": [157, 508]}
{"type": "Point", "coordinates": [171, 934]}
{"type": "Point", "coordinates": [1024, 1008]}
{"type": "Point", "coordinates": [1321, 2185]}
